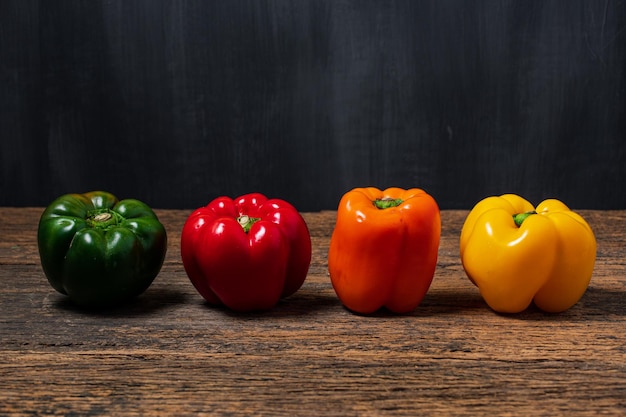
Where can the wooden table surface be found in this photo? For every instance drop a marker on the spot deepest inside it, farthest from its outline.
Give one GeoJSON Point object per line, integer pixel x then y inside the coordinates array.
{"type": "Point", "coordinates": [169, 353]}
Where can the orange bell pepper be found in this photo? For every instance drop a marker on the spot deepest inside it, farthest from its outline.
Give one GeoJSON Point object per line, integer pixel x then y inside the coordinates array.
{"type": "Point", "coordinates": [383, 250]}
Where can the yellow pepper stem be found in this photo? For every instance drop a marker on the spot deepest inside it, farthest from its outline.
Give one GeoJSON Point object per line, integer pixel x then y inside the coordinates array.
{"type": "Point", "coordinates": [520, 217]}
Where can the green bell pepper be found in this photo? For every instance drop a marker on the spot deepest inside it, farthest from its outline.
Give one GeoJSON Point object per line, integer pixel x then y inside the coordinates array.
{"type": "Point", "coordinates": [100, 251]}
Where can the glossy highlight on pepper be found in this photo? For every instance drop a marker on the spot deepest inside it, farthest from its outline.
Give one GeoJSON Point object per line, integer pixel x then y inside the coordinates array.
{"type": "Point", "coordinates": [517, 254]}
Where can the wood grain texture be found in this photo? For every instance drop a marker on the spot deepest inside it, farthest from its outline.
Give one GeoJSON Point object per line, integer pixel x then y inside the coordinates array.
{"type": "Point", "coordinates": [168, 353]}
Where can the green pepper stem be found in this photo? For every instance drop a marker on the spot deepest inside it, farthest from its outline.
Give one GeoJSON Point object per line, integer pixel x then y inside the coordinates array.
{"type": "Point", "coordinates": [520, 217]}
{"type": "Point", "coordinates": [104, 218]}
{"type": "Point", "coordinates": [246, 222]}
{"type": "Point", "coordinates": [385, 203]}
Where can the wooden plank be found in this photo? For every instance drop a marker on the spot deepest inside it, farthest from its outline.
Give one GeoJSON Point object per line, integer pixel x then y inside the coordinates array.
{"type": "Point", "coordinates": [170, 353]}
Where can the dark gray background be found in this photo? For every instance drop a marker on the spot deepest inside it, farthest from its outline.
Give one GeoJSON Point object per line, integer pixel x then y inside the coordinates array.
{"type": "Point", "coordinates": [177, 102]}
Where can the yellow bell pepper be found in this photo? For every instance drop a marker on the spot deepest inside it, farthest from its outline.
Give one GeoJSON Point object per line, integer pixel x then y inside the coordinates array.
{"type": "Point", "coordinates": [516, 254]}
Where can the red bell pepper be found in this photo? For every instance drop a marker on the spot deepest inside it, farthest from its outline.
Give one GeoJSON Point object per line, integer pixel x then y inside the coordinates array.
{"type": "Point", "coordinates": [248, 253]}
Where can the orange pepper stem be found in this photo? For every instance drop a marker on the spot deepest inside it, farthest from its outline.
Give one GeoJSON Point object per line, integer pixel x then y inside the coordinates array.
{"type": "Point", "coordinates": [520, 217]}
{"type": "Point", "coordinates": [246, 222]}
{"type": "Point", "coordinates": [385, 203]}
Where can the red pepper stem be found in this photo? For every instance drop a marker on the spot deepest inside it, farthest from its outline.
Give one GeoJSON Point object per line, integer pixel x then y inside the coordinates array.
{"type": "Point", "coordinates": [246, 222]}
{"type": "Point", "coordinates": [520, 217]}
{"type": "Point", "coordinates": [385, 203]}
